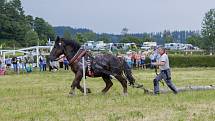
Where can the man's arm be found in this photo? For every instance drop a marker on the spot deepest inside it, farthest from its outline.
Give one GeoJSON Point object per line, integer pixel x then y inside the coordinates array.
{"type": "Point", "coordinates": [159, 63]}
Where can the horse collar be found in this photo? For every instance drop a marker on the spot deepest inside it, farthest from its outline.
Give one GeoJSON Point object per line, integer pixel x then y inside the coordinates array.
{"type": "Point", "coordinates": [77, 56]}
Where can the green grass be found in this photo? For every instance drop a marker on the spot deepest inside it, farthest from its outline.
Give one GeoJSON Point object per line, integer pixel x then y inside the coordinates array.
{"type": "Point", "coordinates": [44, 97]}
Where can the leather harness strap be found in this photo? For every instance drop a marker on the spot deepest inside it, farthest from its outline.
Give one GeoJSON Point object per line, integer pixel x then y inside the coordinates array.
{"type": "Point", "coordinates": [77, 57]}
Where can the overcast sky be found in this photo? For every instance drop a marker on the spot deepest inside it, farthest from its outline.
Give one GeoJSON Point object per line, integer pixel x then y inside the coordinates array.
{"type": "Point", "coordinates": [110, 16]}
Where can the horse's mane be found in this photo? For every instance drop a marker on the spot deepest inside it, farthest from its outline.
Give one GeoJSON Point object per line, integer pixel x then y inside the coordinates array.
{"type": "Point", "coordinates": [74, 44]}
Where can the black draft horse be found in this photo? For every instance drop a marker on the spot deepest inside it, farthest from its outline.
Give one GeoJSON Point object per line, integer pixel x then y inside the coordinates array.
{"type": "Point", "coordinates": [108, 64]}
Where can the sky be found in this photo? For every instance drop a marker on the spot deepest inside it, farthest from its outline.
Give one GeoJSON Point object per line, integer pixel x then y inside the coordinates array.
{"type": "Point", "coordinates": [111, 16]}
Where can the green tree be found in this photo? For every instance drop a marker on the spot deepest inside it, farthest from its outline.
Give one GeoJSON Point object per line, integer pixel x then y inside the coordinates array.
{"type": "Point", "coordinates": [15, 25]}
{"type": "Point", "coordinates": [31, 38]}
{"type": "Point", "coordinates": [195, 40]}
{"type": "Point", "coordinates": [130, 39]}
{"type": "Point", "coordinates": [2, 4]}
{"type": "Point", "coordinates": [30, 21]}
{"type": "Point", "coordinates": [208, 30]}
{"type": "Point", "coordinates": [67, 35]}
{"type": "Point", "coordinates": [80, 38]}
{"type": "Point", "coordinates": [147, 38]}
{"type": "Point", "coordinates": [105, 38]}
{"type": "Point", "coordinates": [167, 37]}
{"type": "Point", "coordinates": [89, 36]}
{"type": "Point", "coordinates": [44, 30]}
{"type": "Point", "coordinates": [12, 23]}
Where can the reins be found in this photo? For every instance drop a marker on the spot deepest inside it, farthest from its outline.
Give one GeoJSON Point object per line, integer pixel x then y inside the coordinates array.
{"type": "Point", "coordinates": [59, 58]}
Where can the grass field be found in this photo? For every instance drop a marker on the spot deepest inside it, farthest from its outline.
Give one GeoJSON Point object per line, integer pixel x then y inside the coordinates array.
{"type": "Point", "coordinates": [44, 97]}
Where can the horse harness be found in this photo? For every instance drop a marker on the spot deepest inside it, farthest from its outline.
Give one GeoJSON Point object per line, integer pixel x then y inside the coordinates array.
{"type": "Point", "coordinates": [94, 66]}
{"type": "Point", "coordinates": [90, 62]}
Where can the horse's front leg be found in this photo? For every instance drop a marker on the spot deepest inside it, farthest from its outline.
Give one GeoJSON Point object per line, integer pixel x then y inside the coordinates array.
{"type": "Point", "coordinates": [75, 83]}
{"type": "Point", "coordinates": [82, 89]}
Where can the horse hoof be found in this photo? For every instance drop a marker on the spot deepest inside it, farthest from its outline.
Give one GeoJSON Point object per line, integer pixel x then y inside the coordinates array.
{"type": "Point", "coordinates": [88, 90]}
{"type": "Point", "coordinates": [125, 94]}
{"type": "Point", "coordinates": [103, 92]}
{"type": "Point", "coordinates": [71, 95]}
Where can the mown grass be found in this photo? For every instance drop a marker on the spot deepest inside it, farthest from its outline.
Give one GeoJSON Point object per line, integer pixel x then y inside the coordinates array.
{"type": "Point", "coordinates": [43, 96]}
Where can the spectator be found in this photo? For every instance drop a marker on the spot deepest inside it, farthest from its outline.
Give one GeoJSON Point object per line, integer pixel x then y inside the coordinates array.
{"type": "Point", "coordinates": [14, 62]}
{"type": "Point", "coordinates": [1, 62]}
{"type": "Point", "coordinates": [128, 59]}
{"type": "Point", "coordinates": [28, 67]}
{"type": "Point", "coordinates": [153, 57]}
{"type": "Point", "coordinates": [30, 60]}
{"type": "Point", "coordinates": [19, 65]}
{"type": "Point", "coordinates": [66, 64]}
{"type": "Point", "coordinates": [8, 62]}
{"type": "Point", "coordinates": [2, 68]}
{"type": "Point", "coordinates": [53, 66]}
{"type": "Point", "coordinates": [133, 59]}
{"type": "Point", "coordinates": [138, 59]}
{"type": "Point", "coordinates": [143, 58]}
{"type": "Point", "coordinates": [61, 61]}
{"type": "Point", "coordinates": [24, 62]}
{"type": "Point", "coordinates": [41, 62]}
{"type": "Point", "coordinates": [44, 64]}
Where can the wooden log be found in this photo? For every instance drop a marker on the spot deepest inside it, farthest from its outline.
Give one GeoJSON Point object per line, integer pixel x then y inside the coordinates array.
{"type": "Point", "coordinates": [181, 89]}
{"type": "Point", "coordinates": [190, 88]}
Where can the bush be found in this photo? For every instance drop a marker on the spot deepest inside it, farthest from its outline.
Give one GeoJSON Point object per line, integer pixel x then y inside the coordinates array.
{"type": "Point", "coordinates": [192, 61]}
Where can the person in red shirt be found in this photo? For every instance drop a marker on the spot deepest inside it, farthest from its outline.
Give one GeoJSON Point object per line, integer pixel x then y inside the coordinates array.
{"type": "Point", "coordinates": [138, 59]}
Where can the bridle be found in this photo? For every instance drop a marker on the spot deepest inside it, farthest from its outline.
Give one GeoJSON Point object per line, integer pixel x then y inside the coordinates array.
{"type": "Point", "coordinates": [77, 56]}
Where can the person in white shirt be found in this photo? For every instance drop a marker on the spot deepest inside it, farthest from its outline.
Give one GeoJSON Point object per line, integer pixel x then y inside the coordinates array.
{"type": "Point", "coordinates": [163, 63]}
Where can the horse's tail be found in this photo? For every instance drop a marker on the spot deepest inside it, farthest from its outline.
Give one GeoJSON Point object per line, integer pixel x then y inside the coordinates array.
{"type": "Point", "coordinates": [128, 73]}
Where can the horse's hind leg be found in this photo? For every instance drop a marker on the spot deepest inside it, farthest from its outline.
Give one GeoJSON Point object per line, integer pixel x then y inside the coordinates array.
{"type": "Point", "coordinates": [123, 82]}
{"type": "Point", "coordinates": [108, 82]}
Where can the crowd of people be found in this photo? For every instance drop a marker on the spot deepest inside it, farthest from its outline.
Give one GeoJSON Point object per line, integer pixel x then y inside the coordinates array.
{"type": "Point", "coordinates": [138, 59]}
{"type": "Point", "coordinates": [27, 62]}
{"type": "Point", "coordinates": [23, 63]}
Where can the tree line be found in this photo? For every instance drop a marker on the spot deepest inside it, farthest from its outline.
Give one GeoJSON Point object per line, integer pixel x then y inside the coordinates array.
{"type": "Point", "coordinates": [20, 30]}
{"type": "Point", "coordinates": [166, 36]}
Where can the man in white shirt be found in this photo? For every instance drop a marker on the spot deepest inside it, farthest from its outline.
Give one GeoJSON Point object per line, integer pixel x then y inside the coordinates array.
{"type": "Point", "coordinates": [165, 73]}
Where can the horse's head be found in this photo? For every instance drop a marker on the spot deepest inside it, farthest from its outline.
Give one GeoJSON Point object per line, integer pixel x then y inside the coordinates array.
{"type": "Point", "coordinates": [57, 50]}
{"type": "Point", "coordinates": [66, 47]}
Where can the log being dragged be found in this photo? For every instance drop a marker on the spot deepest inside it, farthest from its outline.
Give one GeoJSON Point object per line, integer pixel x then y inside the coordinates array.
{"type": "Point", "coordinates": [190, 88]}
{"type": "Point", "coordinates": [180, 89]}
